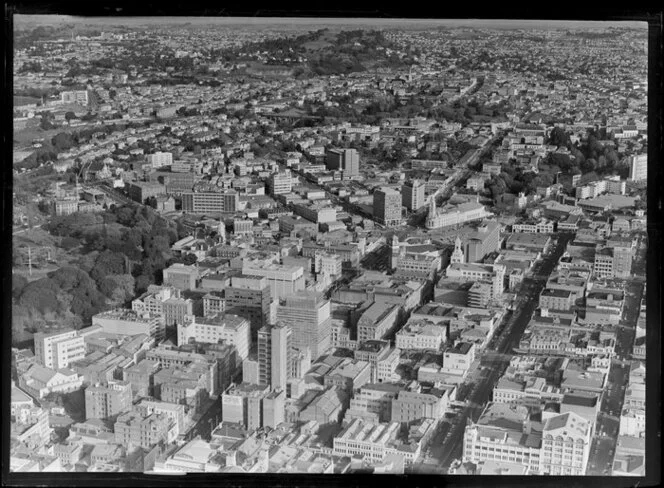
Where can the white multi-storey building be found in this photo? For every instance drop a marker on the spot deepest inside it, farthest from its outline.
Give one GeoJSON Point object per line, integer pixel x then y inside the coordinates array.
{"type": "Point", "coordinates": [454, 214]}
{"type": "Point", "coordinates": [374, 441]}
{"type": "Point", "coordinates": [59, 349]}
{"type": "Point", "coordinates": [152, 301]}
{"type": "Point", "coordinates": [492, 273]}
{"type": "Point", "coordinates": [280, 183]}
{"type": "Point", "coordinates": [328, 263]}
{"type": "Point", "coordinates": [159, 159]}
{"type": "Point", "coordinates": [638, 167]}
{"type": "Point", "coordinates": [498, 435]}
{"type": "Point", "coordinates": [283, 280]}
{"type": "Point", "coordinates": [505, 433]}
{"type": "Point", "coordinates": [566, 441]}
{"type": "Point", "coordinates": [128, 322]}
{"type": "Point", "coordinates": [421, 334]}
{"type": "Point", "coordinates": [412, 195]}
{"type": "Point", "coordinates": [76, 96]}
{"type": "Point", "coordinates": [633, 422]}
{"type": "Point", "coordinates": [232, 329]}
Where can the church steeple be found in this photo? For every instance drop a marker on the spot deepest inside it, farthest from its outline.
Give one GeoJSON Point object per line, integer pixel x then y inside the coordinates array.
{"type": "Point", "coordinates": [394, 256]}
{"type": "Point", "coordinates": [222, 232]}
{"type": "Point", "coordinates": [458, 254]}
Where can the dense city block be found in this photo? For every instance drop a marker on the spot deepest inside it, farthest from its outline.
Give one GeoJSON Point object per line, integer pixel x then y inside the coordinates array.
{"type": "Point", "coordinates": [266, 246]}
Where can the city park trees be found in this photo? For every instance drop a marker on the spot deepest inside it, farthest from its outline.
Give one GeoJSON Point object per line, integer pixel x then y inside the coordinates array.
{"type": "Point", "coordinates": [120, 252]}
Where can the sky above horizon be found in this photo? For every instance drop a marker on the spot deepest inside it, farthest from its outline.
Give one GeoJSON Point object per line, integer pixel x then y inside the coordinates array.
{"type": "Point", "coordinates": [305, 21]}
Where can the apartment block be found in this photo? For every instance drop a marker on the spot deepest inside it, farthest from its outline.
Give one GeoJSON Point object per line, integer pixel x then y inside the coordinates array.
{"type": "Point", "coordinates": [104, 401]}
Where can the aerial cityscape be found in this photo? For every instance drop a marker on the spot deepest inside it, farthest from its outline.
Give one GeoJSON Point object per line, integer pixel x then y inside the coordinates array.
{"type": "Point", "coordinates": [328, 246]}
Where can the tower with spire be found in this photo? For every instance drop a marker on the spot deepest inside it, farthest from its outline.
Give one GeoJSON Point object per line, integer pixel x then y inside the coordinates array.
{"type": "Point", "coordinates": [394, 256]}
{"type": "Point", "coordinates": [222, 232]}
{"type": "Point", "coordinates": [458, 256]}
{"type": "Point", "coordinates": [432, 215]}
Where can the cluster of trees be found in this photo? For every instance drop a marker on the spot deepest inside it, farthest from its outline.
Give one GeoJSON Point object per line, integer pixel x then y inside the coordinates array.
{"type": "Point", "coordinates": [334, 64]}
{"type": "Point", "coordinates": [515, 180]}
{"type": "Point", "coordinates": [35, 92]}
{"type": "Point", "coordinates": [589, 156]}
{"type": "Point", "coordinates": [67, 296]}
{"type": "Point", "coordinates": [66, 140]}
{"type": "Point", "coordinates": [24, 39]}
{"type": "Point", "coordinates": [122, 252]}
{"type": "Point", "coordinates": [347, 52]}
{"type": "Point", "coordinates": [30, 67]}
{"type": "Point", "coordinates": [187, 112]}
{"type": "Point", "coordinates": [138, 237]}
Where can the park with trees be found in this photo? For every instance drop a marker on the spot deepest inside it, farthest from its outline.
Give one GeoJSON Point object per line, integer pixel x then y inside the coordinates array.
{"type": "Point", "coordinates": [117, 255]}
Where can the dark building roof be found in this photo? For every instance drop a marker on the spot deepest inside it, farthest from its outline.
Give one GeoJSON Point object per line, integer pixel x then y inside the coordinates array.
{"type": "Point", "coordinates": [580, 400]}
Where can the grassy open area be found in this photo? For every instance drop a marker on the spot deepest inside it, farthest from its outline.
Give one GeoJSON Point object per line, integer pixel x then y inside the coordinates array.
{"type": "Point", "coordinates": [21, 100]}
{"type": "Point", "coordinates": [27, 135]}
{"type": "Point", "coordinates": [35, 237]}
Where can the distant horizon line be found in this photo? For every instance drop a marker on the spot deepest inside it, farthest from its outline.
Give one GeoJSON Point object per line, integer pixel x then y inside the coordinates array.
{"type": "Point", "coordinates": [515, 23]}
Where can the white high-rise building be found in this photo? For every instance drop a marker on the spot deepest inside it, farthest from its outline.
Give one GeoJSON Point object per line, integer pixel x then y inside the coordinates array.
{"type": "Point", "coordinates": [281, 183]}
{"type": "Point", "coordinates": [308, 314]}
{"type": "Point", "coordinates": [638, 167]}
{"type": "Point", "coordinates": [159, 159]}
{"type": "Point", "coordinates": [412, 195]}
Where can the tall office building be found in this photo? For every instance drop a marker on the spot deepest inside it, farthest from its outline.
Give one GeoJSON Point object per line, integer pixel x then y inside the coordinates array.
{"type": "Point", "coordinates": [280, 183]}
{"type": "Point", "coordinates": [231, 200]}
{"type": "Point", "coordinates": [622, 260]}
{"type": "Point", "coordinates": [412, 195]}
{"type": "Point", "coordinates": [281, 352]}
{"type": "Point", "coordinates": [638, 167]}
{"type": "Point", "coordinates": [345, 160]}
{"type": "Point", "coordinates": [308, 314]}
{"type": "Point", "coordinates": [275, 355]}
{"type": "Point", "coordinates": [210, 201]}
{"type": "Point", "coordinates": [250, 297]}
{"type": "Point", "coordinates": [387, 207]}
{"type": "Point", "coordinates": [484, 240]}
{"type": "Point", "coordinates": [614, 261]}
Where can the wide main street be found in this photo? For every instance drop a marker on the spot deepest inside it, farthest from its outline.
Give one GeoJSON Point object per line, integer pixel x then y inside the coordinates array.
{"type": "Point", "coordinates": [447, 444]}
